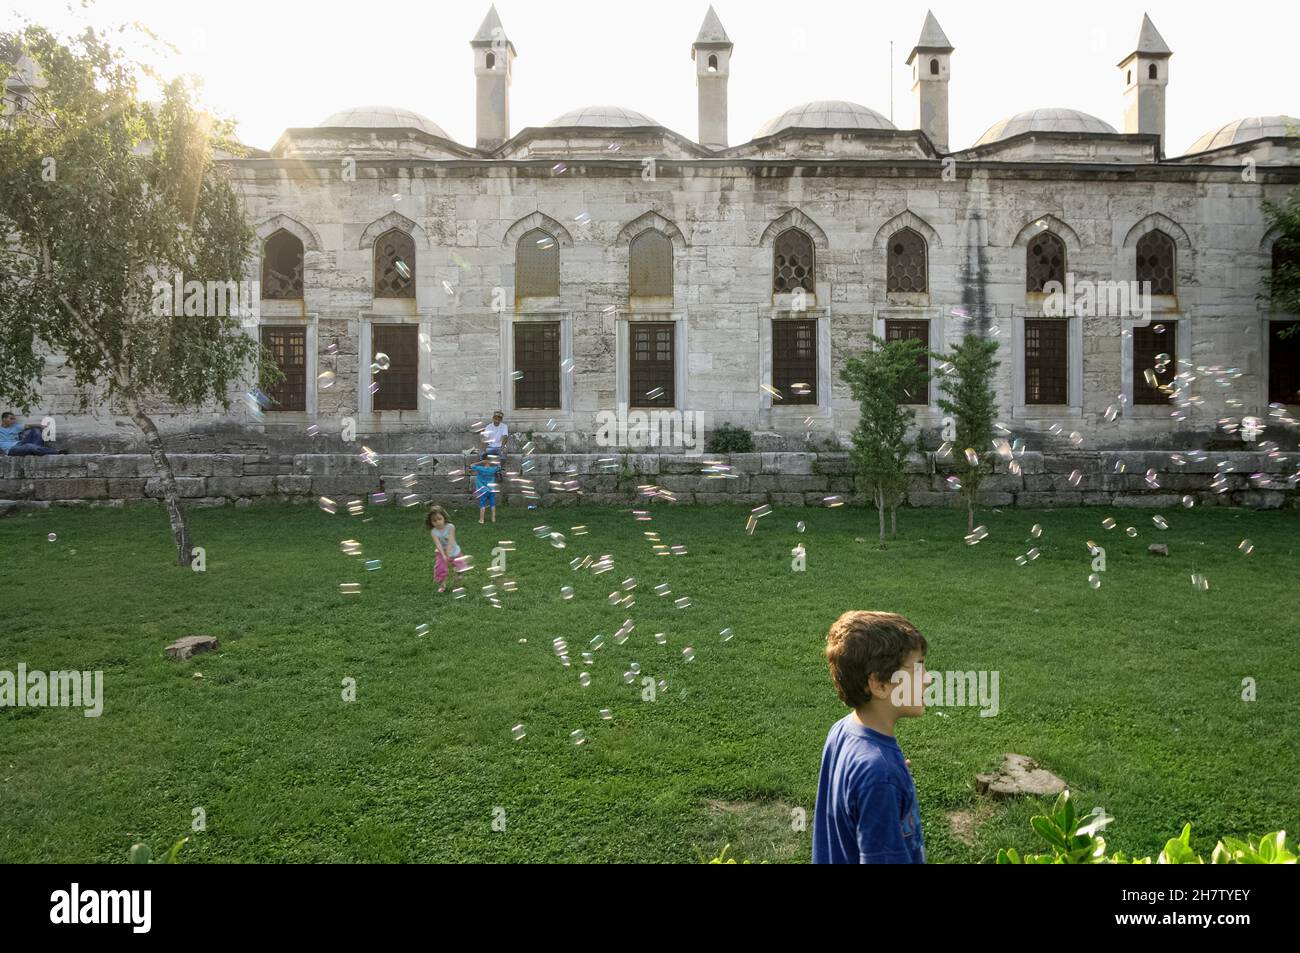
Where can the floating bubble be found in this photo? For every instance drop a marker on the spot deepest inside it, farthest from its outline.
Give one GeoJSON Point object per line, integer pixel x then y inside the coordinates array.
{"type": "Point", "coordinates": [459, 592]}
{"type": "Point", "coordinates": [1188, 502]}
{"type": "Point", "coordinates": [799, 526]}
{"type": "Point", "coordinates": [350, 588]}
{"type": "Point", "coordinates": [578, 736]}
{"type": "Point", "coordinates": [53, 537]}
{"type": "Point", "coordinates": [1022, 560]}
{"type": "Point", "coordinates": [313, 430]}
{"type": "Point", "coordinates": [325, 380]}
{"type": "Point", "coordinates": [518, 733]}
{"type": "Point", "coordinates": [662, 685]}
{"type": "Point", "coordinates": [977, 534]}
{"type": "Point", "coordinates": [597, 643]}
{"type": "Point", "coordinates": [629, 677]}
{"type": "Point", "coordinates": [606, 715]}
{"type": "Point", "coordinates": [422, 630]}
{"type": "Point", "coordinates": [1246, 547]}
{"type": "Point", "coordinates": [635, 668]}
{"type": "Point", "coordinates": [727, 634]}
{"type": "Point", "coordinates": [382, 361]}
{"type": "Point", "coordinates": [682, 603]}
{"type": "Point", "coordinates": [1033, 553]}
{"type": "Point", "coordinates": [372, 565]}
{"type": "Point", "coordinates": [1076, 438]}
{"type": "Point", "coordinates": [972, 458]}
{"type": "Point", "coordinates": [1036, 530]}
{"type": "Point", "coordinates": [1094, 581]}
{"type": "Point", "coordinates": [1108, 522]}
{"type": "Point", "coordinates": [1131, 531]}
{"type": "Point", "coordinates": [654, 394]}
{"type": "Point", "coordinates": [688, 654]}
{"type": "Point", "coordinates": [1200, 583]}
{"type": "Point", "coordinates": [1160, 521]}
{"type": "Point", "coordinates": [1075, 477]}
{"type": "Point", "coordinates": [953, 483]}
{"type": "Point", "coordinates": [584, 679]}
{"type": "Point", "coordinates": [588, 658]}
{"type": "Point", "coordinates": [661, 638]}
{"type": "Point", "coordinates": [566, 593]}
{"type": "Point", "coordinates": [1159, 329]}
{"type": "Point", "coordinates": [1112, 412]}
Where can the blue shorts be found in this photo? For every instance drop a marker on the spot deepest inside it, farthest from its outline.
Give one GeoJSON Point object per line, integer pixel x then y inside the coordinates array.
{"type": "Point", "coordinates": [486, 498]}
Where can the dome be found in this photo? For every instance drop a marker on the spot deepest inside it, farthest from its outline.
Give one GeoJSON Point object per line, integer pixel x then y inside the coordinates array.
{"type": "Point", "coordinates": [1244, 130]}
{"type": "Point", "coordinates": [825, 114]}
{"type": "Point", "coordinates": [384, 117]}
{"type": "Point", "coordinates": [603, 116]}
{"type": "Point", "coordinates": [1045, 120]}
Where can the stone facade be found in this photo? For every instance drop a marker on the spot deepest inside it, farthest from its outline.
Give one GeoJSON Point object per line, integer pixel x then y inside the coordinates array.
{"type": "Point", "coordinates": [594, 188]}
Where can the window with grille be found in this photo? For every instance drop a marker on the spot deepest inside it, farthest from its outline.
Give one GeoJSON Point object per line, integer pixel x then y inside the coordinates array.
{"type": "Point", "coordinates": [537, 265]}
{"type": "Point", "coordinates": [912, 331]}
{"type": "Point", "coordinates": [1283, 363]}
{"type": "Point", "coordinates": [1149, 343]}
{"type": "Point", "coordinates": [399, 386]}
{"type": "Point", "coordinates": [651, 364]}
{"type": "Point", "coordinates": [793, 262]}
{"type": "Point", "coordinates": [1044, 262]}
{"type": "Point", "coordinates": [794, 361]}
{"type": "Point", "coordinates": [905, 267]}
{"type": "Point", "coordinates": [287, 348]}
{"type": "Point", "coordinates": [282, 266]}
{"type": "Point", "coordinates": [650, 265]}
{"type": "Point", "coordinates": [1155, 262]}
{"type": "Point", "coordinates": [395, 265]}
{"type": "Point", "coordinates": [537, 357]}
{"type": "Point", "coordinates": [1046, 362]}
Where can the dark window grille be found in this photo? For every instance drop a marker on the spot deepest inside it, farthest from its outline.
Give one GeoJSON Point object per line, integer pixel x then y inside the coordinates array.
{"type": "Point", "coordinates": [287, 348]}
{"type": "Point", "coordinates": [399, 386]}
{"type": "Point", "coordinates": [1155, 262]}
{"type": "Point", "coordinates": [282, 266]}
{"type": "Point", "coordinates": [793, 262]}
{"type": "Point", "coordinates": [395, 265]}
{"type": "Point", "coordinates": [1147, 345]}
{"type": "Point", "coordinates": [1283, 363]}
{"type": "Point", "coordinates": [652, 364]}
{"type": "Point", "coordinates": [537, 265]}
{"type": "Point", "coordinates": [537, 355]}
{"type": "Point", "coordinates": [794, 361]}
{"type": "Point", "coordinates": [1046, 362]}
{"type": "Point", "coordinates": [906, 266]}
{"type": "Point", "coordinates": [650, 265]}
{"type": "Point", "coordinates": [912, 331]}
{"type": "Point", "coordinates": [1044, 261]}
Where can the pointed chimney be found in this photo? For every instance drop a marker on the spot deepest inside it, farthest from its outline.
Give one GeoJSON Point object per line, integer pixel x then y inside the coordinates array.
{"type": "Point", "coordinates": [1146, 73]}
{"type": "Point", "coordinates": [493, 54]}
{"type": "Point", "coordinates": [712, 54]}
{"type": "Point", "coordinates": [930, 60]}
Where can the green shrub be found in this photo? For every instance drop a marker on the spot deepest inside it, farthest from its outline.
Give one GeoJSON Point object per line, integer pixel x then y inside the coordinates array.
{"type": "Point", "coordinates": [728, 438]}
{"type": "Point", "coordinates": [1074, 840]}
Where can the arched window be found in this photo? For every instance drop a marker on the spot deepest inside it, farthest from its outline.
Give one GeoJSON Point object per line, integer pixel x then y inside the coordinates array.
{"type": "Point", "coordinates": [1044, 261]}
{"type": "Point", "coordinates": [395, 265]}
{"type": "Point", "coordinates": [282, 266]}
{"type": "Point", "coordinates": [793, 262]}
{"type": "Point", "coordinates": [1155, 261]}
{"type": "Point", "coordinates": [905, 269]}
{"type": "Point", "coordinates": [934, 67]}
{"type": "Point", "coordinates": [713, 62]}
{"type": "Point", "coordinates": [650, 265]}
{"type": "Point", "coordinates": [537, 265]}
{"type": "Point", "coordinates": [491, 61]}
{"type": "Point", "coordinates": [1151, 72]}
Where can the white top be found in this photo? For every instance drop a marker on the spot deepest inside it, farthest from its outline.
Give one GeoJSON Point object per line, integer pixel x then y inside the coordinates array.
{"type": "Point", "coordinates": [495, 434]}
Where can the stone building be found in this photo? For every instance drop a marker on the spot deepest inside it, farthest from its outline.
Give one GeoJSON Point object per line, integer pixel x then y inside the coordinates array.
{"type": "Point", "coordinates": [415, 284]}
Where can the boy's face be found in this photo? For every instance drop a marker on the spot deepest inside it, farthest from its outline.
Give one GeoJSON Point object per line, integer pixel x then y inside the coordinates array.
{"type": "Point", "coordinates": [906, 695]}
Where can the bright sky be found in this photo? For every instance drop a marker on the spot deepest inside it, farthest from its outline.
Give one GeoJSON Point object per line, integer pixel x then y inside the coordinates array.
{"type": "Point", "coordinates": [273, 64]}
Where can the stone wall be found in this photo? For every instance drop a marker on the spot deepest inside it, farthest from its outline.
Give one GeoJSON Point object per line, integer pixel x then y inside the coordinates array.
{"type": "Point", "coordinates": [1250, 479]}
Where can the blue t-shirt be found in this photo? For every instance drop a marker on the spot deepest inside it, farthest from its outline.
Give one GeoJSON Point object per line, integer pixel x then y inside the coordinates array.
{"type": "Point", "coordinates": [866, 802]}
{"type": "Point", "coordinates": [484, 476]}
{"type": "Point", "coordinates": [9, 436]}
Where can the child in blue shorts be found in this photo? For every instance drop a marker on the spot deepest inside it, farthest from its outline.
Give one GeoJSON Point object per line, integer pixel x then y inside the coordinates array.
{"type": "Point", "coordinates": [485, 486]}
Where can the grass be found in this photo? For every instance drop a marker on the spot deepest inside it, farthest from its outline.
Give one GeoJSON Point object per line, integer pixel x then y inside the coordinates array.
{"type": "Point", "coordinates": [1131, 692]}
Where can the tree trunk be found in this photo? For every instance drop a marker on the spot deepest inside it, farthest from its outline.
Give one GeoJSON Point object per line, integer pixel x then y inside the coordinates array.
{"type": "Point", "coordinates": [970, 515]}
{"type": "Point", "coordinates": [880, 510]}
{"type": "Point", "coordinates": [893, 522]}
{"type": "Point", "coordinates": [171, 492]}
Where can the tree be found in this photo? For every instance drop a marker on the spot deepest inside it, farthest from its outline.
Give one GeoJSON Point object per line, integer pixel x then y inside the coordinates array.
{"type": "Point", "coordinates": [883, 375]}
{"type": "Point", "coordinates": [101, 197]}
{"type": "Point", "coordinates": [972, 403]}
{"type": "Point", "coordinates": [1283, 278]}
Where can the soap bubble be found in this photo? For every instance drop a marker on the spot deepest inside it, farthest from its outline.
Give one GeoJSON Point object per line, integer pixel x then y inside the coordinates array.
{"type": "Point", "coordinates": [606, 714]}
{"type": "Point", "coordinates": [682, 603]}
{"type": "Point", "coordinates": [52, 537]}
{"type": "Point", "coordinates": [1108, 522]}
{"type": "Point", "coordinates": [1022, 560]}
{"type": "Point", "coordinates": [661, 638]}
{"type": "Point", "coordinates": [1131, 531]}
{"type": "Point", "coordinates": [350, 588]}
{"type": "Point", "coordinates": [1246, 547]}
{"type": "Point", "coordinates": [972, 458]}
{"type": "Point", "coordinates": [1188, 502]}
{"type": "Point", "coordinates": [584, 679]}
{"type": "Point", "coordinates": [325, 380]}
{"type": "Point", "coordinates": [1076, 438]}
{"type": "Point", "coordinates": [1036, 530]}
{"type": "Point", "coordinates": [566, 593]}
{"type": "Point", "coordinates": [372, 565]}
{"type": "Point", "coordinates": [1160, 521]}
{"type": "Point", "coordinates": [799, 526]}
{"type": "Point", "coordinates": [727, 634]}
{"type": "Point", "coordinates": [429, 392]}
{"type": "Point", "coordinates": [1094, 580]}
{"type": "Point", "coordinates": [422, 630]}
{"type": "Point", "coordinates": [578, 736]}
{"type": "Point", "coordinates": [977, 534]}
{"type": "Point", "coordinates": [688, 654]}
{"type": "Point", "coordinates": [518, 732]}
{"type": "Point", "coordinates": [1075, 477]}
{"type": "Point", "coordinates": [629, 677]}
{"type": "Point", "coordinates": [1200, 583]}
{"type": "Point", "coordinates": [382, 361]}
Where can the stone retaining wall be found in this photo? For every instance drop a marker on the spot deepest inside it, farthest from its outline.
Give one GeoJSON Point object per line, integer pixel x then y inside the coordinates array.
{"type": "Point", "coordinates": [1108, 478]}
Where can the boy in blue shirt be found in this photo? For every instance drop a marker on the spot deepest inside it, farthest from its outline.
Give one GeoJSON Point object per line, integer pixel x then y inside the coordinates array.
{"type": "Point", "coordinates": [866, 802]}
{"type": "Point", "coordinates": [485, 486]}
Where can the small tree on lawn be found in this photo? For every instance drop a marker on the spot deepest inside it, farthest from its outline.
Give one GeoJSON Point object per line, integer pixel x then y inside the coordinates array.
{"type": "Point", "coordinates": [101, 196]}
{"type": "Point", "coordinates": [1283, 278]}
{"type": "Point", "coordinates": [972, 403]}
{"type": "Point", "coordinates": [879, 380]}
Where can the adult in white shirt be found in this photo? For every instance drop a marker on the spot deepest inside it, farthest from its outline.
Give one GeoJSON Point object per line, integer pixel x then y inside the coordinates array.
{"type": "Point", "coordinates": [495, 435]}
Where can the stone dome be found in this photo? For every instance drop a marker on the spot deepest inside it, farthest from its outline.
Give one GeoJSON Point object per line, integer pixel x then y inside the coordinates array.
{"type": "Point", "coordinates": [1045, 120]}
{"type": "Point", "coordinates": [1244, 130]}
{"type": "Point", "coordinates": [604, 117]}
{"type": "Point", "coordinates": [825, 114]}
{"type": "Point", "coordinates": [384, 117]}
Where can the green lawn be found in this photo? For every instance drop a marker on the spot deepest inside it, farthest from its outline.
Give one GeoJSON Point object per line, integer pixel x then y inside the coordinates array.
{"type": "Point", "coordinates": [1131, 692]}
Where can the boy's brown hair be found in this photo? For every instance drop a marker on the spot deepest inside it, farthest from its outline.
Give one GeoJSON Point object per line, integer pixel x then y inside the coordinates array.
{"type": "Point", "coordinates": [862, 643]}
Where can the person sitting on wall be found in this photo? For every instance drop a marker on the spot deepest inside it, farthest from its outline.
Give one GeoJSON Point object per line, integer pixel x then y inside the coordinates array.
{"type": "Point", "coordinates": [495, 437]}
{"type": "Point", "coordinates": [19, 441]}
